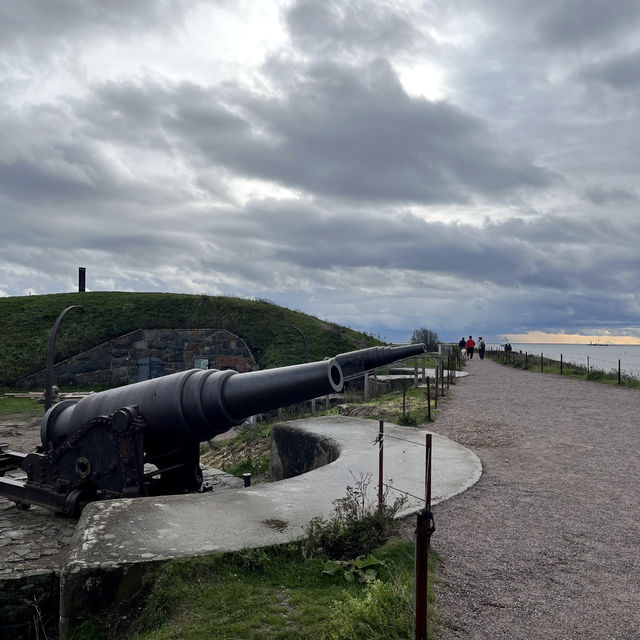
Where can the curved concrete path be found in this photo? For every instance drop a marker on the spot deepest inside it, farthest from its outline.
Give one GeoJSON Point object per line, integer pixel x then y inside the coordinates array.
{"type": "Point", "coordinates": [115, 535]}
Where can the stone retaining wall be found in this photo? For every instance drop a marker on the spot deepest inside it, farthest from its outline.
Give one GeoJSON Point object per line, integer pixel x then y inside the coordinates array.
{"type": "Point", "coordinates": [148, 353]}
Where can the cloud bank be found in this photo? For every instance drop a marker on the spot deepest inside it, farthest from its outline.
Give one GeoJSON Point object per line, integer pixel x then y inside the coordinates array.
{"type": "Point", "coordinates": [386, 165]}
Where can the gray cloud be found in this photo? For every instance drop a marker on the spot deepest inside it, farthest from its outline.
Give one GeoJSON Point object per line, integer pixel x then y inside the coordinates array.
{"type": "Point", "coordinates": [510, 274]}
{"type": "Point", "coordinates": [334, 27]}
{"type": "Point", "coordinates": [562, 24]}
{"type": "Point", "coordinates": [354, 133]}
{"type": "Point", "coordinates": [32, 26]}
{"type": "Point", "coordinates": [572, 23]}
{"type": "Point", "coordinates": [342, 131]}
{"type": "Point", "coordinates": [621, 72]}
{"type": "Point", "coordinates": [601, 196]}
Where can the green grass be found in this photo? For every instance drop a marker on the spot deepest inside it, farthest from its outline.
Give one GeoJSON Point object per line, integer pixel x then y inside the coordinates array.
{"type": "Point", "coordinates": [389, 406]}
{"type": "Point", "coordinates": [258, 466]}
{"type": "Point", "coordinates": [26, 323]}
{"type": "Point", "coordinates": [23, 408]}
{"type": "Point", "coordinates": [278, 594]}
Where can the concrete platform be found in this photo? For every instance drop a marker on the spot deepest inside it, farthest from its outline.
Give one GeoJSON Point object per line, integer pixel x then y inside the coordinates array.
{"type": "Point", "coordinates": [114, 539]}
{"type": "Point", "coordinates": [410, 375]}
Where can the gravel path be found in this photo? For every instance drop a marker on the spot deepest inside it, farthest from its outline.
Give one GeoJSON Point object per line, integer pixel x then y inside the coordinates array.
{"type": "Point", "coordinates": [546, 545]}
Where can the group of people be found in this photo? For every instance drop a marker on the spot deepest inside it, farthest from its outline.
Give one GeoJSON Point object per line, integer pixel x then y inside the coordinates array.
{"type": "Point", "coordinates": [467, 347]}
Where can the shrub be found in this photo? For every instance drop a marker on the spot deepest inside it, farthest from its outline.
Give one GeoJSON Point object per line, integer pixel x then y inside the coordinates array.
{"type": "Point", "coordinates": [357, 527]}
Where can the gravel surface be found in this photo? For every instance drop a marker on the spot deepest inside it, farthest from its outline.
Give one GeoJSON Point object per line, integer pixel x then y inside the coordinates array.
{"type": "Point", "coordinates": [546, 545]}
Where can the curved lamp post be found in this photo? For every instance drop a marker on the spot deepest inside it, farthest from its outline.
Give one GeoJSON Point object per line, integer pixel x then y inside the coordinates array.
{"type": "Point", "coordinates": [306, 347]}
{"type": "Point", "coordinates": [48, 392]}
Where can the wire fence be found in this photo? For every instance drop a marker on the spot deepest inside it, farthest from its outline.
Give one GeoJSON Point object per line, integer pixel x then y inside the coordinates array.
{"type": "Point", "coordinates": [592, 367]}
{"type": "Point", "coordinates": [425, 525]}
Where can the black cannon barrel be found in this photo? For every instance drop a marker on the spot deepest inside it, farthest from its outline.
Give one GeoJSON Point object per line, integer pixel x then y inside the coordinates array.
{"type": "Point", "coordinates": [355, 363]}
{"type": "Point", "coordinates": [196, 405]}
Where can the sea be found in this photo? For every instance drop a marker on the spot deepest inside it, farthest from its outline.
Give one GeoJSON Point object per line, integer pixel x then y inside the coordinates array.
{"type": "Point", "coordinates": [596, 356]}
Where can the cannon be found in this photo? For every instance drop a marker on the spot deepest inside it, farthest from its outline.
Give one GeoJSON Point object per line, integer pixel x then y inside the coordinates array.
{"type": "Point", "coordinates": [144, 439]}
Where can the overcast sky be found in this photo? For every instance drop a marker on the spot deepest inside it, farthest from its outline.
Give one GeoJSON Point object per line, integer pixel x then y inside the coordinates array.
{"type": "Point", "coordinates": [470, 167]}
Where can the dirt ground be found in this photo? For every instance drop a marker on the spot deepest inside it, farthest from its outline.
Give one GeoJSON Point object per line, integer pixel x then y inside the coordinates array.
{"type": "Point", "coordinates": [20, 434]}
{"type": "Point", "coordinates": [546, 545]}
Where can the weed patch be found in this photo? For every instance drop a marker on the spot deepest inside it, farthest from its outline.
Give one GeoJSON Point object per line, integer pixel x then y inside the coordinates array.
{"type": "Point", "coordinates": [357, 527]}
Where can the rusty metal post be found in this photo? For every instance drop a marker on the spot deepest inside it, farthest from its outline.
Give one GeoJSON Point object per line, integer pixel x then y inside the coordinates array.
{"type": "Point", "coordinates": [424, 529]}
{"type": "Point", "coordinates": [560, 364]}
{"type": "Point", "coordinates": [48, 389]}
{"type": "Point", "coordinates": [618, 370]}
{"type": "Point", "coordinates": [587, 365]}
{"type": "Point", "coordinates": [428, 399]}
{"type": "Point", "coordinates": [380, 465]}
{"type": "Point", "coordinates": [542, 362]}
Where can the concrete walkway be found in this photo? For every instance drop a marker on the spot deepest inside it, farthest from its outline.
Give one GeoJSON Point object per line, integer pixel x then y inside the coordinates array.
{"type": "Point", "coordinates": [114, 536]}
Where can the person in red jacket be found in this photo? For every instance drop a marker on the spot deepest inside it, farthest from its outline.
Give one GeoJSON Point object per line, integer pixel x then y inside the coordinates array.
{"type": "Point", "coordinates": [469, 347]}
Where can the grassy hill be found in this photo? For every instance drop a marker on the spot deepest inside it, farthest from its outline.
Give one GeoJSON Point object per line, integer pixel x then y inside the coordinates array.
{"type": "Point", "coordinates": [26, 324]}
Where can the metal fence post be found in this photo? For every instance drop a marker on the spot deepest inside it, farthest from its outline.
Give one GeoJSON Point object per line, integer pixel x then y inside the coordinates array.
{"type": "Point", "coordinates": [424, 529]}
{"type": "Point", "coordinates": [380, 464]}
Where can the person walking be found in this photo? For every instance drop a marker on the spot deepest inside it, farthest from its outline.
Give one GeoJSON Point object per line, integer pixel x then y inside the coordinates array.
{"type": "Point", "coordinates": [471, 343]}
{"type": "Point", "coordinates": [481, 347]}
